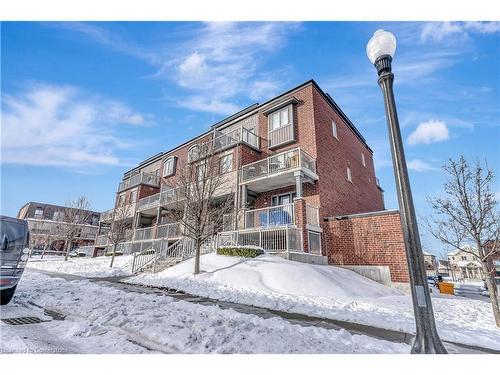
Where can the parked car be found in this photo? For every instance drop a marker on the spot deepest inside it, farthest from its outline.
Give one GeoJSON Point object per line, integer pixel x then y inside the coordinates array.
{"type": "Point", "coordinates": [432, 280]}
{"type": "Point", "coordinates": [14, 252]}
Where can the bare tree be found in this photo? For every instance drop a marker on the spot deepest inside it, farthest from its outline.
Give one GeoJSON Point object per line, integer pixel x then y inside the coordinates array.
{"type": "Point", "coordinates": [73, 216]}
{"type": "Point", "coordinates": [468, 212]}
{"type": "Point", "coordinates": [202, 194]}
{"type": "Point", "coordinates": [119, 230]}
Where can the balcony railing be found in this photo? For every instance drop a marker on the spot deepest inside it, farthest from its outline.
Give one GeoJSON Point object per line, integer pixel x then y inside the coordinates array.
{"type": "Point", "coordinates": [235, 136]}
{"type": "Point", "coordinates": [168, 230]}
{"type": "Point", "coordinates": [140, 178]}
{"type": "Point", "coordinates": [149, 202]}
{"type": "Point", "coordinates": [281, 135]}
{"type": "Point", "coordinates": [312, 215]}
{"type": "Point", "coordinates": [59, 228]}
{"type": "Point", "coordinates": [270, 216]}
{"type": "Point", "coordinates": [101, 240]}
{"type": "Point", "coordinates": [285, 161]}
{"type": "Point", "coordinates": [141, 234]}
{"type": "Point", "coordinates": [284, 239]}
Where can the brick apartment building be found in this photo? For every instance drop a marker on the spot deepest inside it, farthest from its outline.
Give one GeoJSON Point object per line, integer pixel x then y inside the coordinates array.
{"type": "Point", "coordinates": [45, 223]}
{"type": "Point", "coordinates": [303, 180]}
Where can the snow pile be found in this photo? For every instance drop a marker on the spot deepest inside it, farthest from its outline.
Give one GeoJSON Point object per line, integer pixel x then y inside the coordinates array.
{"type": "Point", "coordinates": [89, 267]}
{"type": "Point", "coordinates": [118, 319]}
{"type": "Point", "coordinates": [324, 291]}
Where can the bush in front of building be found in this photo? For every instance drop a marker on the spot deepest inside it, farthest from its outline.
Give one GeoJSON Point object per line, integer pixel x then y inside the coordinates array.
{"type": "Point", "coordinates": [118, 253]}
{"type": "Point", "coordinates": [240, 251]}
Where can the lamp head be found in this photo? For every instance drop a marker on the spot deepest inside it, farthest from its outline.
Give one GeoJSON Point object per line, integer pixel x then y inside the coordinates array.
{"type": "Point", "coordinates": [382, 43]}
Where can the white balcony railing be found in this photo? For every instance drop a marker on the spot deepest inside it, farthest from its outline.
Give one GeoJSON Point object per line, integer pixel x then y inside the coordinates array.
{"type": "Point", "coordinates": [151, 201]}
{"type": "Point", "coordinates": [282, 239]}
{"type": "Point", "coordinates": [101, 240]}
{"type": "Point", "coordinates": [312, 215]}
{"type": "Point", "coordinates": [270, 216]}
{"type": "Point", "coordinates": [235, 136]}
{"type": "Point", "coordinates": [59, 228]}
{"type": "Point", "coordinates": [168, 230]}
{"type": "Point", "coordinates": [284, 161]}
{"type": "Point", "coordinates": [281, 135]}
{"type": "Point", "coordinates": [140, 178]}
{"type": "Point", "coordinates": [141, 234]}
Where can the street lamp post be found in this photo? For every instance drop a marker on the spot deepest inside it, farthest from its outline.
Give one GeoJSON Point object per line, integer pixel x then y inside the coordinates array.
{"type": "Point", "coordinates": [380, 50]}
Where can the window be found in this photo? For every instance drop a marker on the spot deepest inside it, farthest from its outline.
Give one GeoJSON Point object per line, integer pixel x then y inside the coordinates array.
{"type": "Point", "coordinates": [226, 163]}
{"type": "Point", "coordinates": [464, 258]}
{"type": "Point", "coordinates": [349, 174]}
{"type": "Point", "coordinates": [57, 216]}
{"type": "Point", "coordinates": [201, 171]}
{"type": "Point", "coordinates": [133, 196]}
{"type": "Point", "coordinates": [121, 200]}
{"type": "Point", "coordinates": [169, 167]}
{"type": "Point", "coordinates": [334, 129]}
{"type": "Point", "coordinates": [38, 213]}
{"type": "Point", "coordinates": [279, 200]}
{"type": "Point", "coordinates": [280, 118]}
{"type": "Point", "coordinates": [363, 161]}
{"type": "Point", "coordinates": [193, 153]}
{"type": "Point", "coordinates": [314, 242]}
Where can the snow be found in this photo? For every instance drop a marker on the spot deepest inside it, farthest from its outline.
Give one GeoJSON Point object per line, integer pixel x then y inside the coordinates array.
{"type": "Point", "coordinates": [327, 292]}
{"type": "Point", "coordinates": [101, 318]}
{"type": "Point", "coordinates": [89, 267]}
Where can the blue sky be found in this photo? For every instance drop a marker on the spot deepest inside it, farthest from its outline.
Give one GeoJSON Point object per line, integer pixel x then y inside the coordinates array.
{"type": "Point", "coordinates": [84, 102]}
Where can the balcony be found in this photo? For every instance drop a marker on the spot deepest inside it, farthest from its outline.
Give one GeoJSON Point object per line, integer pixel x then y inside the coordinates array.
{"type": "Point", "coordinates": [171, 230]}
{"type": "Point", "coordinates": [59, 229]}
{"type": "Point", "coordinates": [138, 179]}
{"type": "Point", "coordinates": [232, 138]}
{"type": "Point", "coordinates": [270, 216]}
{"type": "Point", "coordinates": [109, 215]}
{"type": "Point", "coordinates": [278, 170]}
{"type": "Point", "coordinates": [101, 240]}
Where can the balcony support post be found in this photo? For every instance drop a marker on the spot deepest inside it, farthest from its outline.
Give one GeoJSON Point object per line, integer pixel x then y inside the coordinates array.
{"type": "Point", "coordinates": [298, 183]}
{"type": "Point", "coordinates": [244, 197]}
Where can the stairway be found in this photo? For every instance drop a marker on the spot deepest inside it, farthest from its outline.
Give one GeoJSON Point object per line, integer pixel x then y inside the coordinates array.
{"type": "Point", "coordinates": [165, 257]}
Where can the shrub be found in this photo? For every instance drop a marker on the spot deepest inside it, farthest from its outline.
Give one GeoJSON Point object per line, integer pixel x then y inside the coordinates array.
{"type": "Point", "coordinates": [118, 253]}
{"type": "Point", "coordinates": [240, 251]}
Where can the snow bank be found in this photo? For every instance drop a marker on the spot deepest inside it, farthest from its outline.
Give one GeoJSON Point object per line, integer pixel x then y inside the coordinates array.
{"type": "Point", "coordinates": [89, 267]}
{"type": "Point", "coordinates": [117, 318]}
{"type": "Point", "coordinates": [324, 291]}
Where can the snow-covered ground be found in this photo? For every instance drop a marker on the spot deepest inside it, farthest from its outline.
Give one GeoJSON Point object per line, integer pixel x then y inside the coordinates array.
{"type": "Point", "coordinates": [327, 292]}
{"type": "Point", "coordinates": [89, 267]}
{"type": "Point", "coordinates": [101, 318]}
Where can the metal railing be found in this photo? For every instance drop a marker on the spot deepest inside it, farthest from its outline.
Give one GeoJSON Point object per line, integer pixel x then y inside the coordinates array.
{"type": "Point", "coordinates": [101, 240]}
{"type": "Point", "coordinates": [168, 230]}
{"type": "Point", "coordinates": [59, 228]}
{"type": "Point", "coordinates": [284, 161]}
{"type": "Point", "coordinates": [235, 136]}
{"type": "Point", "coordinates": [284, 239]}
{"type": "Point", "coordinates": [312, 215]}
{"type": "Point", "coordinates": [140, 178]}
{"type": "Point", "coordinates": [151, 201]}
{"type": "Point", "coordinates": [281, 135]}
{"type": "Point", "coordinates": [141, 234]}
{"type": "Point", "coordinates": [270, 216]}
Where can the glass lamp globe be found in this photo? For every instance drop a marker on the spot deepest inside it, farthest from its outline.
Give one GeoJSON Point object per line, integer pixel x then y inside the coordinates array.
{"type": "Point", "coordinates": [381, 43]}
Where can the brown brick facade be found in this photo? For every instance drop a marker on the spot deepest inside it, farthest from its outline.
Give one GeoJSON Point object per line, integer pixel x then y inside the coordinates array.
{"type": "Point", "coordinates": [375, 239]}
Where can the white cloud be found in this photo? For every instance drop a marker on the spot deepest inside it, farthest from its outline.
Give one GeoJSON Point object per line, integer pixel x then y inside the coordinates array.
{"type": "Point", "coordinates": [418, 165]}
{"type": "Point", "coordinates": [429, 132]}
{"type": "Point", "coordinates": [438, 31]}
{"type": "Point", "coordinates": [50, 125]}
{"type": "Point", "coordinates": [204, 104]}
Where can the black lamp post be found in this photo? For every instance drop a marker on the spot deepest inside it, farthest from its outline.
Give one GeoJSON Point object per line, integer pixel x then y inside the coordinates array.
{"type": "Point", "coordinates": [380, 50]}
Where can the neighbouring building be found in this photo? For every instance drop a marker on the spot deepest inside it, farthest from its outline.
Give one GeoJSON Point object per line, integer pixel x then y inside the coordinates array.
{"type": "Point", "coordinates": [464, 265]}
{"type": "Point", "coordinates": [430, 264]}
{"type": "Point", "coordinates": [303, 180]}
{"type": "Point", "coordinates": [45, 224]}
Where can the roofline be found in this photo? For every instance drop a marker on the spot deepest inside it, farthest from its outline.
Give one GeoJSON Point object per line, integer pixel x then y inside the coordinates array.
{"type": "Point", "coordinates": [55, 205]}
{"type": "Point", "coordinates": [253, 107]}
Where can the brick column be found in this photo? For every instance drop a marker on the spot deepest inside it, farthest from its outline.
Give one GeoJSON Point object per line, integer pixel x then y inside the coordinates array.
{"type": "Point", "coordinates": [301, 220]}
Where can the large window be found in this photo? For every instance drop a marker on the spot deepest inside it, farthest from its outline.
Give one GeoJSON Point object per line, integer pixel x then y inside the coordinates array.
{"type": "Point", "coordinates": [193, 153]}
{"type": "Point", "coordinates": [226, 163]}
{"type": "Point", "coordinates": [38, 213]}
{"type": "Point", "coordinates": [169, 167]}
{"type": "Point", "coordinates": [201, 171]}
{"type": "Point", "coordinates": [280, 118]}
{"type": "Point", "coordinates": [121, 200]}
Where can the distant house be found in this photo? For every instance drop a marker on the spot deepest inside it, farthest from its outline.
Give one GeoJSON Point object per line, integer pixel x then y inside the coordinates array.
{"type": "Point", "coordinates": [465, 265]}
{"type": "Point", "coordinates": [45, 222]}
{"type": "Point", "coordinates": [430, 264]}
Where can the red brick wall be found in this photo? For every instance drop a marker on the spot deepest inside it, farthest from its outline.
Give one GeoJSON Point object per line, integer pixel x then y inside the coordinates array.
{"type": "Point", "coordinates": [338, 195]}
{"type": "Point", "coordinates": [375, 240]}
